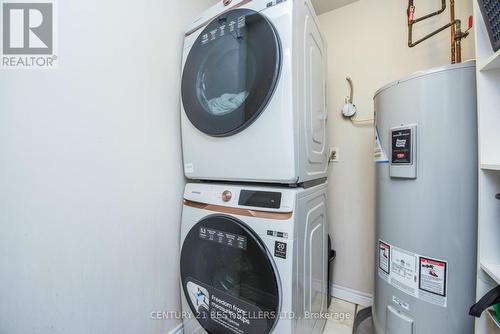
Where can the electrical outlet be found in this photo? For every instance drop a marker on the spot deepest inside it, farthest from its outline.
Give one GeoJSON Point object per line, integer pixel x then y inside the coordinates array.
{"type": "Point", "coordinates": [333, 155]}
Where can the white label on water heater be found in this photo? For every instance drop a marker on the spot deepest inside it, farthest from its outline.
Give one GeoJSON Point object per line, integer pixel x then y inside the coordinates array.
{"type": "Point", "coordinates": [404, 270]}
{"type": "Point", "coordinates": [379, 154]}
{"type": "Point", "coordinates": [416, 275]}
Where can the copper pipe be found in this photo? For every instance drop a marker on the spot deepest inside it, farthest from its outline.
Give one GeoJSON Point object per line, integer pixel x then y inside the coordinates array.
{"type": "Point", "coordinates": [412, 20]}
{"type": "Point", "coordinates": [456, 33]}
{"type": "Point", "coordinates": [453, 33]}
{"type": "Point", "coordinates": [412, 44]}
{"type": "Point", "coordinates": [459, 35]}
{"type": "Point", "coordinates": [443, 8]}
{"type": "Point", "coordinates": [458, 48]}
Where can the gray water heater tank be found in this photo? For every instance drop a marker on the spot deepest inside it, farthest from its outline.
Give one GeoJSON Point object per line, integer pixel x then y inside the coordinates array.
{"type": "Point", "coordinates": [426, 209]}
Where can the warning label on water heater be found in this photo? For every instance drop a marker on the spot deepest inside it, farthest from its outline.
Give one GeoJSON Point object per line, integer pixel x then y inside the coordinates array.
{"type": "Point", "coordinates": [432, 281]}
{"type": "Point", "coordinates": [384, 252]}
{"type": "Point", "coordinates": [418, 276]}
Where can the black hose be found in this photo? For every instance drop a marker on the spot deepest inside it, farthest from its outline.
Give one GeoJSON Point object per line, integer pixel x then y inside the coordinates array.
{"type": "Point", "coordinates": [490, 299]}
{"type": "Point", "coordinates": [361, 316]}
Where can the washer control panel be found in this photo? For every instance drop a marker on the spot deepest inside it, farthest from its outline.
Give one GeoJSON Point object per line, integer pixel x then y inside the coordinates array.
{"type": "Point", "coordinates": [271, 199]}
{"type": "Point", "coordinates": [227, 195]}
{"type": "Point", "coordinates": [260, 199]}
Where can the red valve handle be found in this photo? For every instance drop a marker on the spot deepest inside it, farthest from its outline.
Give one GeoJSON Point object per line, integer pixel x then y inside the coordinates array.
{"type": "Point", "coordinates": [470, 22]}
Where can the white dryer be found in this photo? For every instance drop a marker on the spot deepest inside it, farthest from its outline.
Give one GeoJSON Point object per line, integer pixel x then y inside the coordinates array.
{"type": "Point", "coordinates": [254, 259]}
{"type": "Point", "coordinates": [253, 93]}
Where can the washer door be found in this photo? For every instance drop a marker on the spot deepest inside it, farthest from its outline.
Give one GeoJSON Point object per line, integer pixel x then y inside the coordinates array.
{"type": "Point", "coordinates": [231, 72]}
{"type": "Point", "coordinates": [228, 278]}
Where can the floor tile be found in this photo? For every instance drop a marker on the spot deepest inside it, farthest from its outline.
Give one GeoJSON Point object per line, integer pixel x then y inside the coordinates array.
{"type": "Point", "coordinates": [335, 328]}
{"type": "Point", "coordinates": [342, 317]}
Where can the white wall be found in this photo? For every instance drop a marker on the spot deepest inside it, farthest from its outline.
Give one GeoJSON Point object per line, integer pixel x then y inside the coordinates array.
{"type": "Point", "coordinates": [368, 42]}
{"type": "Point", "coordinates": [91, 176]}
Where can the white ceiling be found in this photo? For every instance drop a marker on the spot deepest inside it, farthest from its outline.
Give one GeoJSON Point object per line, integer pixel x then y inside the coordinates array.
{"type": "Point", "coordinates": [323, 6]}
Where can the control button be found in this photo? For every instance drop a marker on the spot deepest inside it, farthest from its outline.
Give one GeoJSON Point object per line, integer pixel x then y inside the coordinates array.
{"type": "Point", "coordinates": [280, 234]}
{"type": "Point", "coordinates": [226, 196]}
{"type": "Point", "coordinates": [271, 233]}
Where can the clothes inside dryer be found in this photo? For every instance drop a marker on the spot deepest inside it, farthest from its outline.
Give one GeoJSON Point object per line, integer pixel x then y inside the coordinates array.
{"type": "Point", "coordinates": [226, 103]}
{"type": "Point", "coordinates": [231, 72]}
{"type": "Point", "coordinates": [224, 79]}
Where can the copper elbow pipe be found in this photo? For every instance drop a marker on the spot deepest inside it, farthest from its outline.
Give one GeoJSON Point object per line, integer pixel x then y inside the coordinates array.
{"type": "Point", "coordinates": [456, 34]}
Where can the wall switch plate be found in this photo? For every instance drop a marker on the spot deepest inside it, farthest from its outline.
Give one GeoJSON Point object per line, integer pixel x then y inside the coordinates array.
{"type": "Point", "coordinates": [333, 155]}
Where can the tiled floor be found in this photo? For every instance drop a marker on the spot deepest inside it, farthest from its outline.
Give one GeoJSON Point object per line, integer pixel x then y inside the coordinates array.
{"type": "Point", "coordinates": [342, 317]}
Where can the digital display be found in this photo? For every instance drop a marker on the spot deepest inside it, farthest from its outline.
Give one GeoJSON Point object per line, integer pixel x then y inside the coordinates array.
{"type": "Point", "coordinates": [260, 199]}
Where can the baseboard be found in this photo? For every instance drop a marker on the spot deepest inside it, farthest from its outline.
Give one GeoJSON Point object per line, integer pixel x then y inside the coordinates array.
{"type": "Point", "coordinates": [179, 329]}
{"type": "Point", "coordinates": [352, 296]}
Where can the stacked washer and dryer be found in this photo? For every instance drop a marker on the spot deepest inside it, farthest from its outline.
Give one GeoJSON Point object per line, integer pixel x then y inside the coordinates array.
{"type": "Point", "coordinates": [254, 229]}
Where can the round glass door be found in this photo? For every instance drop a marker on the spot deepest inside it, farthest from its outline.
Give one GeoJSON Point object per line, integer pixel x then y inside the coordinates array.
{"type": "Point", "coordinates": [228, 278]}
{"type": "Point", "coordinates": [231, 72]}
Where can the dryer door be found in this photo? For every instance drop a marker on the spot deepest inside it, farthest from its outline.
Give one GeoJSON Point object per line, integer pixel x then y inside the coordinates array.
{"type": "Point", "coordinates": [229, 278]}
{"type": "Point", "coordinates": [231, 72]}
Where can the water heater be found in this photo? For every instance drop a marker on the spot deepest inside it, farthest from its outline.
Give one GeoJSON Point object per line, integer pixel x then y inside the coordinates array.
{"type": "Point", "coordinates": [426, 209]}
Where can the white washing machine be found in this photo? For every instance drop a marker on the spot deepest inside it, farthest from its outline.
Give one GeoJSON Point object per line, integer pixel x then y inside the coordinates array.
{"type": "Point", "coordinates": [253, 93]}
{"type": "Point", "coordinates": [254, 259]}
